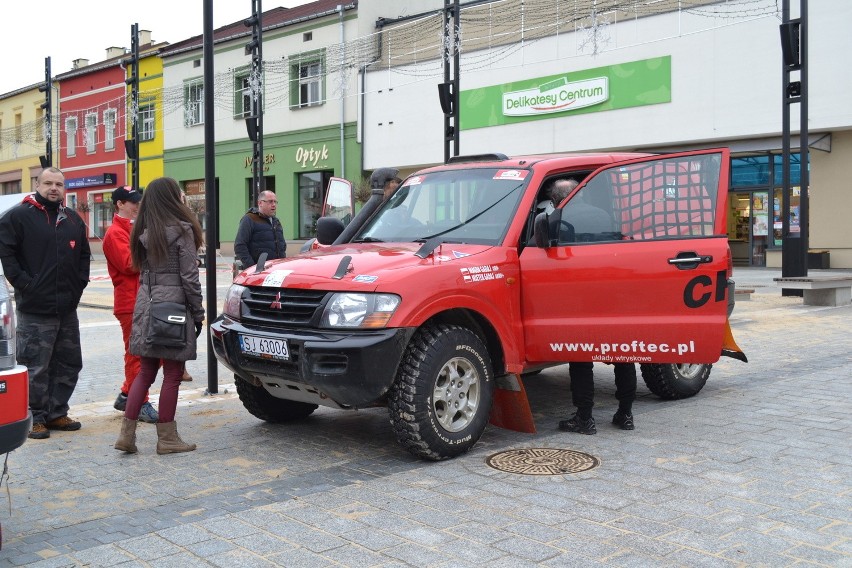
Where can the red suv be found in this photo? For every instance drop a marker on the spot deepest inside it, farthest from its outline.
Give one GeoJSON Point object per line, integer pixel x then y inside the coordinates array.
{"type": "Point", "coordinates": [437, 301]}
{"type": "Point", "coordinates": [15, 416]}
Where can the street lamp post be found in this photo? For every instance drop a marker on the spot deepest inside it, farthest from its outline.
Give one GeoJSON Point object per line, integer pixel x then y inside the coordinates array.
{"type": "Point", "coordinates": [794, 251]}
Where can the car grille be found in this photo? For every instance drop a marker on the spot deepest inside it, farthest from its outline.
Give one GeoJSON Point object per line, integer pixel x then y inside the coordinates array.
{"type": "Point", "coordinates": [282, 305]}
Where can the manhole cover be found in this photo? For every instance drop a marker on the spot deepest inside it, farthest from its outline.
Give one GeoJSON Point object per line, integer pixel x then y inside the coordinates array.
{"type": "Point", "coordinates": [543, 461]}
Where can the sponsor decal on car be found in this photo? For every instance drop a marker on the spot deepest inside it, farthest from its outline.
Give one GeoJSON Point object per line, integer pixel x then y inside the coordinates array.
{"type": "Point", "coordinates": [481, 273]}
{"type": "Point", "coordinates": [275, 278]}
{"type": "Point", "coordinates": [415, 180]}
{"type": "Point", "coordinates": [514, 175]}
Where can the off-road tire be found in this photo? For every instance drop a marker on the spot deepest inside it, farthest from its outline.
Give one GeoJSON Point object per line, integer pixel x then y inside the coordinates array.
{"type": "Point", "coordinates": [263, 405]}
{"type": "Point", "coordinates": [454, 358]}
{"type": "Point", "coordinates": [671, 381]}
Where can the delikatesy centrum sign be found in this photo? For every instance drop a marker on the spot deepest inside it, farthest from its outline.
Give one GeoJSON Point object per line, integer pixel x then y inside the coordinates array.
{"type": "Point", "coordinates": [568, 93]}
{"type": "Point", "coordinates": [556, 96]}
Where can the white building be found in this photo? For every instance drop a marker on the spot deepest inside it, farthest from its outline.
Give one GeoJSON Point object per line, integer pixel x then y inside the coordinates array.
{"type": "Point", "coordinates": [543, 76]}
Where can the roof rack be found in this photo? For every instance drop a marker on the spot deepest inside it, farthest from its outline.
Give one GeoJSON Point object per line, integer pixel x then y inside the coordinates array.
{"type": "Point", "coordinates": [495, 157]}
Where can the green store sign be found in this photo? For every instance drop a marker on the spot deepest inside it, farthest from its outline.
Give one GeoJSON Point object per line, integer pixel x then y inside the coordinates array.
{"type": "Point", "coordinates": [637, 83]}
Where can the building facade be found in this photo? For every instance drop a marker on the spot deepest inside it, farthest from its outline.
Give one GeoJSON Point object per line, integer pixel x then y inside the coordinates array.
{"type": "Point", "coordinates": [91, 134]}
{"type": "Point", "coordinates": [308, 119]}
{"type": "Point", "coordinates": [149, 114]}
{"type": "Point", "coordinates": [22, 139]}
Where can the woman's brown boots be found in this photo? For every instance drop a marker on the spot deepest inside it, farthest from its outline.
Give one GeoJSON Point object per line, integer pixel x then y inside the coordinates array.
{"type": "Point", "coordinates": [127, 438]}
{"type": "Point", "coordinates": [168, 439]}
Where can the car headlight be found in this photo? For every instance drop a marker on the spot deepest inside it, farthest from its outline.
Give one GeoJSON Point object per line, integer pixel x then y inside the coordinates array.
{"type": "Point", "coordinates": [359, 310]}
{"type": "Point", "coordinates": [232, 300]}
{"type": "Point", "coordinates": [7, 329]}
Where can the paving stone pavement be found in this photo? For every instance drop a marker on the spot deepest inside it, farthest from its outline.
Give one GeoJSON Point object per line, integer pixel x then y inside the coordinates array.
{"type": "Point", "coordinates": [756, 470]}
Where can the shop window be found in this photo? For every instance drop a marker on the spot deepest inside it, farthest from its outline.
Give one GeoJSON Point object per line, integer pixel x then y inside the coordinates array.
{"type": "Point", "coordinates": [795, 169]}
{"type": "Point", "coordinates": [100, 217]}
{"type": "Point", "coordinates": [194, 103]}
{"type": "Point", "coordinates": [196, 199]}
{"type": "Point", "coordinates": [748, 171]}
{"type": "Point", "coordinates": [311, 187]}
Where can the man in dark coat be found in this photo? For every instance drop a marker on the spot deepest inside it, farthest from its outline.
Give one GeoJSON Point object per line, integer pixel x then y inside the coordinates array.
{"type": "Point", "coordinates": [260, 231]}
{"type": "Point", "coordinates": [45, 254]}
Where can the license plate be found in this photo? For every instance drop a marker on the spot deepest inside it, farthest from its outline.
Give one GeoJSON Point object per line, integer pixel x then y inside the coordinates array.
{"type": "Point", "coordinates": [264, 347]}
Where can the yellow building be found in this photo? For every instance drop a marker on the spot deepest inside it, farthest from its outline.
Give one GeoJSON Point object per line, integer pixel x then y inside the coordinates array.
{"type": "Point", "coordinates": [150, 121]}
{"type": "Point", "coordinates": [22, 139]}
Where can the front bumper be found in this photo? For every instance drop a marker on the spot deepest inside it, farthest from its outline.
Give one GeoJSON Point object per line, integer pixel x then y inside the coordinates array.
{"type": "Point", "coordinates": [346, 368]}
{"type": "Point", "coordinates": [14, 434]}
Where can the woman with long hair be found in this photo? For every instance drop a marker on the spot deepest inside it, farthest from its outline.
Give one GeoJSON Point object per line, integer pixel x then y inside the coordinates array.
{"type": "Point", "coordinates": [164, 246]}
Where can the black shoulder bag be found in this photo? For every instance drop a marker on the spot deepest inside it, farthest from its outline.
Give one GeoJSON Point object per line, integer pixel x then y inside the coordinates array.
{"type": "Point", "coordinates": [167, 321]}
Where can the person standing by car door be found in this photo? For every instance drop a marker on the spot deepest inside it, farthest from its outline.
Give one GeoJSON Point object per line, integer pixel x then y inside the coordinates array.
{"type": "Point", "coordinates": [125, 282]}
{"type": "Point", "coordinates": [260, 231]}
{"type": "Point", "coordinates": [164, 247]}
{"type": "Point", "coordinates": [45, 254]}
{"type": "Point", "coordinates": [583, 397]}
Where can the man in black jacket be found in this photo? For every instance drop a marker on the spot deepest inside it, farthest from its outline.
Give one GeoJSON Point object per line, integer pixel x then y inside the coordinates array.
{"type": "Point", "coordinates": [260, 231]}
{"type": "Point", "coordinates": [45, 254]}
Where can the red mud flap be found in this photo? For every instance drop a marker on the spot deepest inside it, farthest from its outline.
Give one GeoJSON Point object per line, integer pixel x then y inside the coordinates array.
{"type": "Point", "coordinates": [510, 408]}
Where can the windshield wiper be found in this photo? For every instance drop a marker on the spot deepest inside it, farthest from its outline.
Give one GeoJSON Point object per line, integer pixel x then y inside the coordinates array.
{"type": "Point", "coordinates": [368, 240]}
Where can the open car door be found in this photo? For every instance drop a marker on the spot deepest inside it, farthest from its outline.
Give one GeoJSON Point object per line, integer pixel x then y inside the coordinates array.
{"type": "Point", "coordinates": [339, 200]}
{"type": "Point", "coordinates": [635, 267]}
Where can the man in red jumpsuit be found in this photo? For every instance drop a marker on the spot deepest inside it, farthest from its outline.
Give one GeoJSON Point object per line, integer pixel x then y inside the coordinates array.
{"type": "Point", "coordinates": [125, 281]}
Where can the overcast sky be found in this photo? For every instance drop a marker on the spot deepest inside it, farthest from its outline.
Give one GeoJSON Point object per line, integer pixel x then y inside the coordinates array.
{"type": "Point", "coordinates": [65, 30]}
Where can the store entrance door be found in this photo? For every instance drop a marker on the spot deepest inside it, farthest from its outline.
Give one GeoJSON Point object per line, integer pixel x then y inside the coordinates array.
{"type": "Point", "coordinates": [748, 227]}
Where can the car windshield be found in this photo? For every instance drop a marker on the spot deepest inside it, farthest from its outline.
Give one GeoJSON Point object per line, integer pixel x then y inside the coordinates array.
{"type": "Point", "coordinates": [461, 206]}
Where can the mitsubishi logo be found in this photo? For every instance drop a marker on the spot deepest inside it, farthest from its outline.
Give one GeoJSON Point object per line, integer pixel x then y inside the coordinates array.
{"type": "Point", "coordinates": [276, 303]}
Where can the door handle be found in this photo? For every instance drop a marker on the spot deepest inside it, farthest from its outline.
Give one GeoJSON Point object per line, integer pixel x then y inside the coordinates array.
{"type": "Point", "coordinates": [696, 259]}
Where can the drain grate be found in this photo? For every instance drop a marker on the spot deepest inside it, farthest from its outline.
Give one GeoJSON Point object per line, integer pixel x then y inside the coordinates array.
{"type": "Point", "coordinates": [543, 461]}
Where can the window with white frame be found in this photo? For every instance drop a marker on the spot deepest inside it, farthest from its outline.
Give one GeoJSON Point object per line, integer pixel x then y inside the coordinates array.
{"type": "Point", "coordinates": [146, 123]}
{"type": "Point", "coordinates": [91, 132]}
{"type": "Point", "coordinates": [109, 129]}
{"type": "Point", "coordinates": [242, 96]}
{"type": "Point", "coordinates": [307, 81]}
{"type": "Point", "coordinates": [71, 136]}
{"type": "Point", "coordinates": [194, 103]}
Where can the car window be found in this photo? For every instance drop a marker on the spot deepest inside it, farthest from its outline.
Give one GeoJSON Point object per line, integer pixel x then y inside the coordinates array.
{"type": "Point", "coordinates": [664, 198]}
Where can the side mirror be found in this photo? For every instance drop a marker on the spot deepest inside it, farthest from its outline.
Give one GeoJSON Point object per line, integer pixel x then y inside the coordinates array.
{"type": "Point", "coordinates": [541, 230]}
{"type": "Point", "coordinates": [328, 229]}
{"type": "Point", "coordinates": [339, 200]}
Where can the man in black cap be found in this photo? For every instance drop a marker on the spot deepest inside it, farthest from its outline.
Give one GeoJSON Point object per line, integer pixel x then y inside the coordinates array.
{"type": "Point", "coordinates": [386, 179]}
{"type": "Point", "coordinates": [125, 282]}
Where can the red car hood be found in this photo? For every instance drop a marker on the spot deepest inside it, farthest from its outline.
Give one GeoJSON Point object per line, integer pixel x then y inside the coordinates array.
{"type": "Point", "coordinates": [368, 265]}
